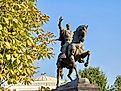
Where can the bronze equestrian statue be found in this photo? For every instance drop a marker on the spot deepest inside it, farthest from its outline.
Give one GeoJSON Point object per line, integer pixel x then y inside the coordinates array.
{"type": "Point", "coordinates": [71, 49]}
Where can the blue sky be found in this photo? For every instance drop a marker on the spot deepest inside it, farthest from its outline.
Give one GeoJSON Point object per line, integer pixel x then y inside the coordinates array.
{"type": "Point", "coordinates": [103, 38]}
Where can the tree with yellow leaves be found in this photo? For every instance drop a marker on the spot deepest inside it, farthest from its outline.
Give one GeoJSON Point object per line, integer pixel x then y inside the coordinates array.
{"type": "Point", "coordinates": [22, 40]}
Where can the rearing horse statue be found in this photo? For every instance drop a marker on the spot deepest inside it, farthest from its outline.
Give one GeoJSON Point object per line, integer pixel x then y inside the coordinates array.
{"type": "Point", "coordinates": [74, 53]}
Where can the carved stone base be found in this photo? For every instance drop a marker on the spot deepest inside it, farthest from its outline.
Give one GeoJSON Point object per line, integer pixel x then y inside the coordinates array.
{"type": "Point", "coordinates": [81, 84]}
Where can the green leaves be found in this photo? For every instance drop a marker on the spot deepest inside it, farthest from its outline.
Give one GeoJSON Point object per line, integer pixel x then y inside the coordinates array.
{"type": "Point", "coordinates": [22, 40]}
{"type": "Point", "coordinates": [117, 83]}
{"type": "Point", "coordinates": [8, 56]}
{"type": "Point", "coordinates": [0, 27]}
{"type": "Point", "coordinates": [7, 45]}
{"type": "Point", "coordinates": [6, 20]}
{"type": "Point", "coordinates": [15, 20]}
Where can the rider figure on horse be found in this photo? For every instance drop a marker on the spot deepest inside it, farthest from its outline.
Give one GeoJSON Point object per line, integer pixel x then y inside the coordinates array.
{"type": "Point", "coordinates": [72, 49]}
{"type": "Point", "coordinates": [65, 37]}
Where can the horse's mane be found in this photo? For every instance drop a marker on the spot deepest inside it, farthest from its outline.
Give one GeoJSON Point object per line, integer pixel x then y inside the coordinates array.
{"type": "Point", "coordinates": [75, 37]}
{"type": "Point", "coordinates": [76, 33]}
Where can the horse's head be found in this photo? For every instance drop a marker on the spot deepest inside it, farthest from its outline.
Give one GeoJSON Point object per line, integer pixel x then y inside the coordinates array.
{"type": "Point", "coordinates": [82, 28]}
{"type": "Point", "coordinates": [80, 33]}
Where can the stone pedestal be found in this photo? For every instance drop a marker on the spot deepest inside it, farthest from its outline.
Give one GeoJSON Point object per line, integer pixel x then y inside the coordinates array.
{"type": "Point", "coordinates": [81, 84]}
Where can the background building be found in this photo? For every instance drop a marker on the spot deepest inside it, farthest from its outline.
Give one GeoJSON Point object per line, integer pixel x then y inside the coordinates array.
{"type": "Point", "coordinates": [39, 83]}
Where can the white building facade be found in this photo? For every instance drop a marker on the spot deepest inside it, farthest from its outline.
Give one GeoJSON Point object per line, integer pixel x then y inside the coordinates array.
{"type": "Point", "coordinates": [38, 84]}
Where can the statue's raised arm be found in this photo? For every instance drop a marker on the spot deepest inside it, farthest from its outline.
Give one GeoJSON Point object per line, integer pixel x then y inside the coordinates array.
{"type": "Point", "coordinates": [60, 23]}
{"type": "Point", "coordinates": [61, 38]}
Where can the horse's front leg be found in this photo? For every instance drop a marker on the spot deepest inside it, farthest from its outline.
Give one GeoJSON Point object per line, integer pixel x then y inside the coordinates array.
{"type": "Point", "coordinates": [83, 55]}
{"type": "Point", "coordinates": [87, 61]}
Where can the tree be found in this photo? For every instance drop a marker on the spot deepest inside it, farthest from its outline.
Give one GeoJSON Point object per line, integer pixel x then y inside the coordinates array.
{"type": "Point", "coordinates": [117, 83]}
{"type": "Point", "coordinates": [22, 40]}
{"type": "Point", "coordinates": [95, 76]}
